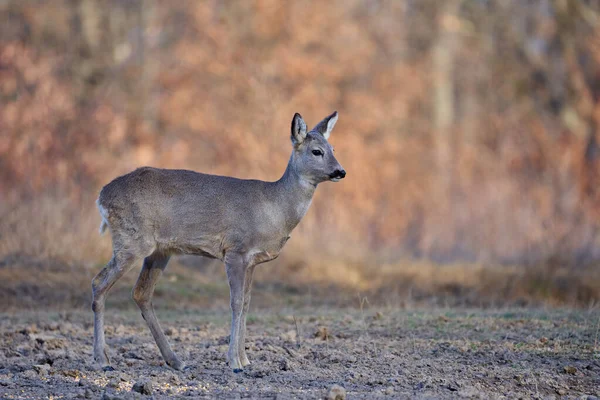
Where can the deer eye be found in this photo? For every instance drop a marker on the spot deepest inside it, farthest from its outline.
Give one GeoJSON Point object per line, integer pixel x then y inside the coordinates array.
{"type": "Point", "coordinates": [317, 152]}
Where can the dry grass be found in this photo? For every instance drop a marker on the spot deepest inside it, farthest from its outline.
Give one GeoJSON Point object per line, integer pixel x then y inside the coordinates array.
{"type": "Point", "coordinates": [50, 249]}
{"type": "Point", "coordinates": [40, 264]}
{"type": "Point", "coordinates": [52, 227]}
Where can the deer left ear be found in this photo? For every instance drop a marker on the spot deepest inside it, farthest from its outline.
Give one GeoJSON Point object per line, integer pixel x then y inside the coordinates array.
{"type": "Point", "coordinates": [326, 126]}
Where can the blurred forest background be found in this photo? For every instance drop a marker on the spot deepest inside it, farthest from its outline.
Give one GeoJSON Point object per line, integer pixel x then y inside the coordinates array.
{"type": "Point", "coordinates": [469, 130]}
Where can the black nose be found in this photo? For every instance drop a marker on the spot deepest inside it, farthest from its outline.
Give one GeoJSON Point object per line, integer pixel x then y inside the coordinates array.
{"type": "Point", "coordinates": [339, 173]}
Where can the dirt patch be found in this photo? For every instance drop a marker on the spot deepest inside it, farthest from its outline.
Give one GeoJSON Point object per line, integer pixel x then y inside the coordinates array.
{"type": "Point", "coordinates": [371, 354]}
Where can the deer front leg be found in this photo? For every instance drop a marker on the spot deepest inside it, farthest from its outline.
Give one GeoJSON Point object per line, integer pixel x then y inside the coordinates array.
{"type": "Point", "coordinates": [247, 288]}
{"type": "Point", "coordinates": [236, 274]}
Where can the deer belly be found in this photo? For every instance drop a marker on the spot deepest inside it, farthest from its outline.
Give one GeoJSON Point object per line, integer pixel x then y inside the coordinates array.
{"type": "Point", "coordinates": [207, 246]}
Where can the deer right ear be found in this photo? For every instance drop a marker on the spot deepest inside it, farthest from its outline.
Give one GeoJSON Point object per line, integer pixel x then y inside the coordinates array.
{"type": "Point", "coordinates": [298, 129]}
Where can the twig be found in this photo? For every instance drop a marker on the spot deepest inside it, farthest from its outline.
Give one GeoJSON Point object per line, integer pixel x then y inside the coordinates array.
{"type": "Point", "coordinates": [298, 339]}
{"type": "Point", "coordinates": [596, 336]}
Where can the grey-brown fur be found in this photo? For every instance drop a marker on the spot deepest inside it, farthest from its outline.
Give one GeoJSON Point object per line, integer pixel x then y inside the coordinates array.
{"type": "Point", "coordinates": [154, 213]}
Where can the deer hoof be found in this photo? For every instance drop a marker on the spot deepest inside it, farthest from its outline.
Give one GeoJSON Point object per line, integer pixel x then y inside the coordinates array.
{"type": "Point", "coordinates": [101, 358]}
{"type": "Point", "coordinates": [176, 364]}
{"type": "Point", "coordinates": [244, 361]}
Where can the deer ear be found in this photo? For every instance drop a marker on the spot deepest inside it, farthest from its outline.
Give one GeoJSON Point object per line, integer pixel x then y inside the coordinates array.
{"type": "Point", "coordinates": [326, 126]}
{"type": "Point", "coordinates": [298, 129]}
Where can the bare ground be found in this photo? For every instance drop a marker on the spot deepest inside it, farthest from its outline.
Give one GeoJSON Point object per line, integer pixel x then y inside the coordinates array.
{"type": "Point", "coordinates": [433, 353]}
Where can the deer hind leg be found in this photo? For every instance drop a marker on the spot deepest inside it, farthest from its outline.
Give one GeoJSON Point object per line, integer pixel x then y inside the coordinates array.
{"type": "Point", "coordinates": [117, 267]}
{"type": "Point", "coordinates": [242, 343]}
{"type": "Point", "coordinates": [154, 265]}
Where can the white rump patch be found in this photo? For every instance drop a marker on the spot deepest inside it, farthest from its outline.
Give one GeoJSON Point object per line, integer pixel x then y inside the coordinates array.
{"type": "Point", "coordinates": [104, 215]}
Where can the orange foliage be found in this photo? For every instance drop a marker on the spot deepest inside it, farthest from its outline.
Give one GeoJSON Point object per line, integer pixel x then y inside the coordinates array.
{"type": "Point", "coordinates": [212, 86]}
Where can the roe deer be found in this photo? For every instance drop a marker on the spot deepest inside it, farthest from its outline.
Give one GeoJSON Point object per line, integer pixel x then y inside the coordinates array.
{"type": "Point", "coordinates": [154, 213]}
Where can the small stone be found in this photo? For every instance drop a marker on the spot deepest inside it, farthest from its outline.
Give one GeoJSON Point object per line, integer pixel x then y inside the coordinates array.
{"type": "Point", "coordinates": [29, 329]}
{"type": "Point", "coordinates": [289, 336]}
{"type": "Point", "coordinates": [52, 326]}
{"type": "Point", "coordinates": [123, 377]}
{"type": "Point", "coordinates": [285, 365]}
{"type": "Point", "coordinates": [108, 396]}
{"type": "Point", "coordinates": [336, 393]}
{"type": "Point", "coordinates": [132, 355]}
{"type": "Point", "coordinates": [143, 387]}
{"type": "Point", "coordinates": [389, 391]}
{"type": "Point", "coordinates": [291, 352]}
{"type": "Point", "coordinates": [42, 369]}
{"type": "Point", "coordinates": [29, 374]}
{"type": "Point", "coordinates": [114, 383]}
{"type": "Point", "coordinates": [258, 372]}
{"type": "Point", "coordinates": [570, 370]}
{"type": "Point", "coordinates": [470, 392]}
{"type": "Point", "coordinates": [46, 359]}
{"type": "Point", "coordinates": [72, 373]}
{"type": "Point", "coordinates": [174, 379]}
{"type": "Point", "coordinates": [323, 333]}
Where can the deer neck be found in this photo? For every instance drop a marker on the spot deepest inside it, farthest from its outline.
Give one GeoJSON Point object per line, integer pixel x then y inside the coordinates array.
{"type": "Point", "coordinates": [294, 194]}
